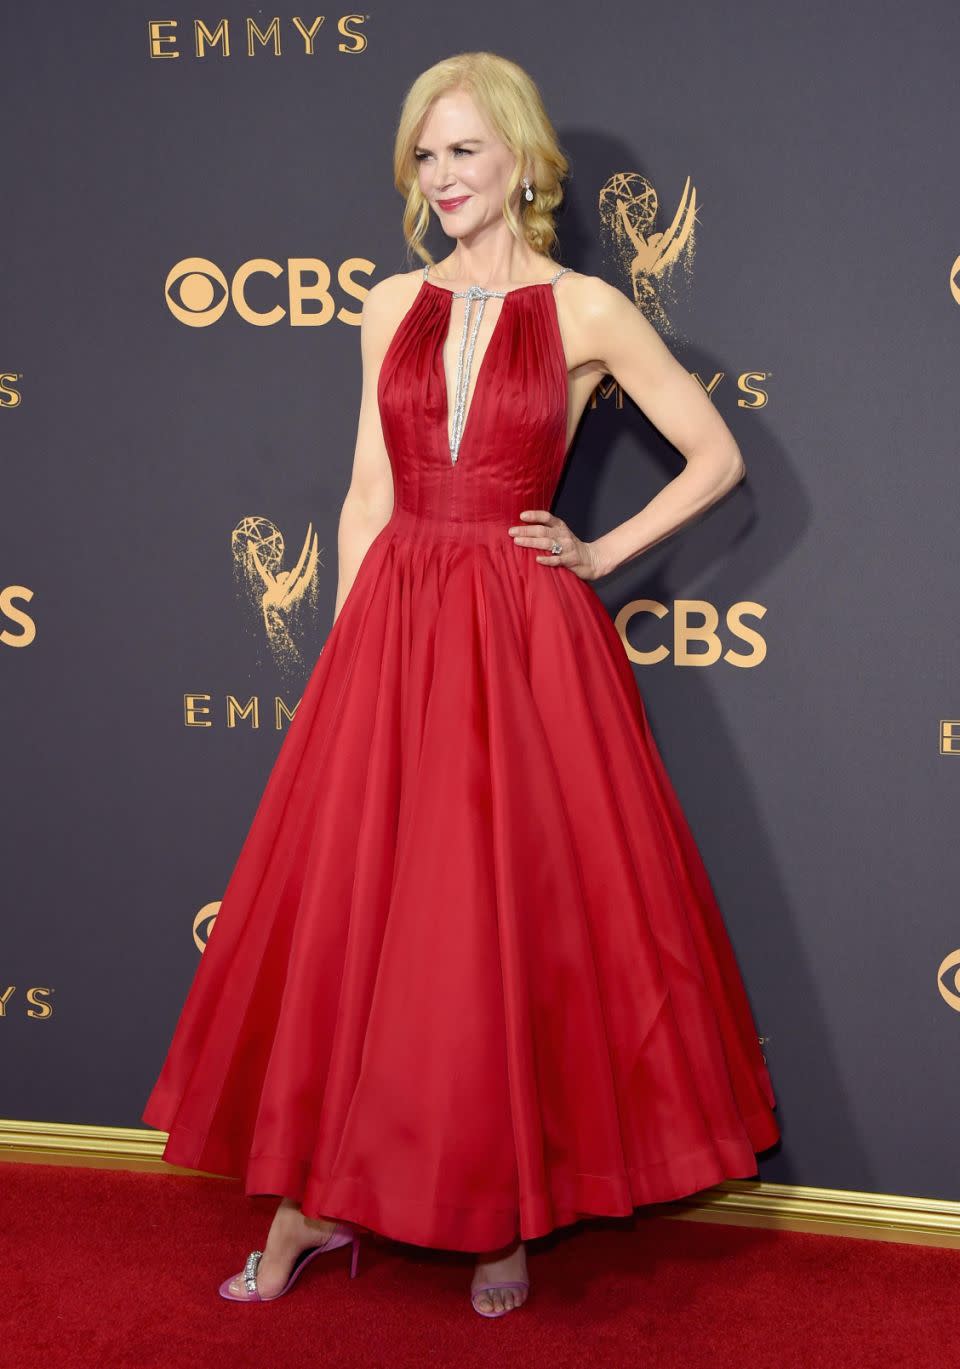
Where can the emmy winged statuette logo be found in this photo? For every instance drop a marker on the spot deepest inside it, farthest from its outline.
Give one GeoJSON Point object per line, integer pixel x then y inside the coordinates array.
{"type": "Point", "coordinates": [275, 597]}
{"type": "Point", "coordinates": [629, 207]}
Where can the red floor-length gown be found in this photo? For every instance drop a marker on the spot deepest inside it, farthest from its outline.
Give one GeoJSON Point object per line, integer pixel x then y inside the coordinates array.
{"type": "Point", "coordinates": [468, 979]}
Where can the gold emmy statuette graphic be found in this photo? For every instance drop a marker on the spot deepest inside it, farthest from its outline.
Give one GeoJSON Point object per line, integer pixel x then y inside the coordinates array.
{"type": "Point", "coordinates": [948, 981]}
{"type": "Point", "coordinates": [274, 594]}
{"type": "Point", "coordinates": [203, 924]}
{"type": "Point", "coordinates": [628, 214]}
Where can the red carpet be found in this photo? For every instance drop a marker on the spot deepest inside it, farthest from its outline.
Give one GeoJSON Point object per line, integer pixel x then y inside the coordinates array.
{"type": "Point", "coordinates": [120, 1268]}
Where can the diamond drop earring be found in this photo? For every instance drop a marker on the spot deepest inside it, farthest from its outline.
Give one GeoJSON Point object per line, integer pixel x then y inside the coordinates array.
{"type": "Point", "coordinates": [528, 193]}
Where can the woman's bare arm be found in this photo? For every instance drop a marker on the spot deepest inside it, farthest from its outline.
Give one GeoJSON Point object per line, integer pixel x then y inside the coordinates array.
{"type": "Point", "coordinates": [368, 503]}
{"type": "Point", "coordinates": [611, 329]}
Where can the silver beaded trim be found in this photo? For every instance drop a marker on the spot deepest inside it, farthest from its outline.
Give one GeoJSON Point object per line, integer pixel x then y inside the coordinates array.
{"type": "Point", "coordinates": [250, 1270]}
{"type": "Point", "coordinates": [462, 386]}
{"type": "Point", "coordinates": [474, 292]}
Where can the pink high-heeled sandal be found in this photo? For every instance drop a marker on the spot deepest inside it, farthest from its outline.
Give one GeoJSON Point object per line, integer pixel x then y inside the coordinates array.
{"type": "Point", "coordinates": [489, 1288]}
{"type": "Point", "coordinates": [340, 1235]}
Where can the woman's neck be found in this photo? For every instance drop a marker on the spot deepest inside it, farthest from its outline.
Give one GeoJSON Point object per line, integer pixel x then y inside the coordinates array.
{"type": "Point", "coordinates": [499, 273]}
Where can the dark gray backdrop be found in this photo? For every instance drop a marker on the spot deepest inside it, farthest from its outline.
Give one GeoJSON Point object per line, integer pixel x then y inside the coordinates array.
{"type": "Point", "coordinates": [821, 143]}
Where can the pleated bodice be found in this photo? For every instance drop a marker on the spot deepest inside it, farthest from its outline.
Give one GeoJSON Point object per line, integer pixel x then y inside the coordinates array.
{"type": "Point", "coordinates": [513, 442]}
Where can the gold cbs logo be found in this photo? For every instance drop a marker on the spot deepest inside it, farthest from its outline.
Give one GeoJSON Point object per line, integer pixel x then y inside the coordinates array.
{"type": "Point", "coordinates": [948, 980]}
{"type": "Point", "coordinates": [9, 594]}
{"type": "Point", "coordinates": [954, 281]}
{"type": "Point", "coordinates": [198, 293]}
{"type": "Point", "coordinates": [203, 924]}
{"type": "Point", "coordinates": [696, 632]}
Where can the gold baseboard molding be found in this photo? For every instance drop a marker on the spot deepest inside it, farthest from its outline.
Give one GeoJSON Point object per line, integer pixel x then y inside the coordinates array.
{"type": "Point", "coordinates": [824, 1211]}
{"type": "Point", "coordinates": [95, 1147]}
{"type": "Point", "coordinates": [784, 1207]}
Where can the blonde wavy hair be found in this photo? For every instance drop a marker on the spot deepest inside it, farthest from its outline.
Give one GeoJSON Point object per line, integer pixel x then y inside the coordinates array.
{"type": "Point", "coordinates": [511, 103]}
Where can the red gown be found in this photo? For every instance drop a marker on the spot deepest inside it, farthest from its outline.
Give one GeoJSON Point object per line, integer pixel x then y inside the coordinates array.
{"type": "Point", "coordinates": [468, 979]}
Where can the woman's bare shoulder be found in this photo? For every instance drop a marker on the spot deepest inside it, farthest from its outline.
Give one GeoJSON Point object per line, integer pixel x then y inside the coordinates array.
{"type": "Point", "coordinates": [386, 302]}
{"type": "Point", "coordinates": [401, 285]}
{"type": "Point", "coordinates": [589, 309]}
{"type": "Point", "coordinates": [588, 292]}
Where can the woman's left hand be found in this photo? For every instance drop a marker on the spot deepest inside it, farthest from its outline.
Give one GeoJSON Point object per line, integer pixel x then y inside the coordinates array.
{"type": "Point", "coordinates": [579, 557]}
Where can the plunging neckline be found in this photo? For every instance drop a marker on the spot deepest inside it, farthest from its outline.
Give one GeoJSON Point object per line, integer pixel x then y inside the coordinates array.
{"type": "Point", "coordinates": [482, 365]}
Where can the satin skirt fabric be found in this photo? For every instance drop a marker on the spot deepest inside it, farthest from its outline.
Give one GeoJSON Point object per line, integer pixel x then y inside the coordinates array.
{"type": "Point", "coordinates": [468, 979]}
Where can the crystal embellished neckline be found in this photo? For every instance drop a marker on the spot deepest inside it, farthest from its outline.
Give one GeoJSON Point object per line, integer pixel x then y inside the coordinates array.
{"type": "Point", "coordinates": [480, 294]}
{"type": "Point", "coordinates": [514, 290]}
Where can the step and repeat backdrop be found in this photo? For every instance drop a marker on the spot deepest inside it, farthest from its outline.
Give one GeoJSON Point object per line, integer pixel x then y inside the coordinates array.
{"type": "Point", "coordinates": [195, 203]}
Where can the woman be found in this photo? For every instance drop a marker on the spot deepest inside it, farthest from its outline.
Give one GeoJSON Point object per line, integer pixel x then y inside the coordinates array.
{"type": "Point", "coordinates": [468, 981]}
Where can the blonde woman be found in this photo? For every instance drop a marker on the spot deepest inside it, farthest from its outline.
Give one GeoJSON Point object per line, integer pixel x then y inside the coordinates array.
{"type": "Point", "coordinates": [469, 981]}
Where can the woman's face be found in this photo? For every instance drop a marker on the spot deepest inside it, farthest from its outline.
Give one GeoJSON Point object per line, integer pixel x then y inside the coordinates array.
{"type": "Point", "coordinates": [463, 166]}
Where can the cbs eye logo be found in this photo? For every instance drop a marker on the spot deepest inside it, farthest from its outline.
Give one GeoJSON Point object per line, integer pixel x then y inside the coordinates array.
{"type": "Point", "coordinates": [203, 924]}
{"type": "Point", "coordinates": [948, 981]}
{"type": "Point", "coordinates": [198, 293]}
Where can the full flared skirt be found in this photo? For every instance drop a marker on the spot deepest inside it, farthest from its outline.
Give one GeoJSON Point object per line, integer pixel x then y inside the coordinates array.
{"type": "Point", "coordinates": [468, 979]}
